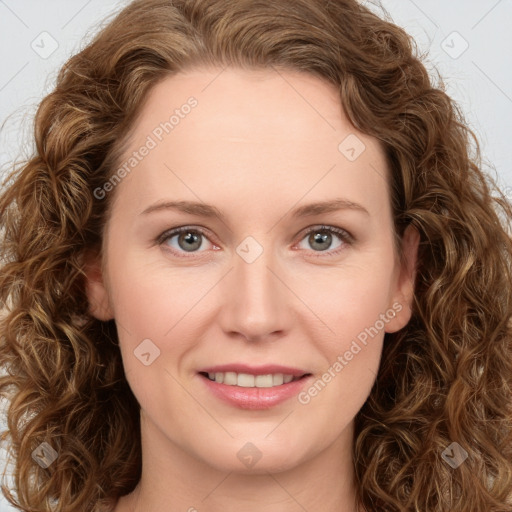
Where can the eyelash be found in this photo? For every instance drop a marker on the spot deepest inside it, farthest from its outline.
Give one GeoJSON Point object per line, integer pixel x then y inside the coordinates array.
{"type": "Point", "coordinates": [344, 235]}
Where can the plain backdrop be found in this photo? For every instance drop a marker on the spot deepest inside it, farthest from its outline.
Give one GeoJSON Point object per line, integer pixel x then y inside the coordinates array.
{"type": "Point", "coordinates": [468, 41]}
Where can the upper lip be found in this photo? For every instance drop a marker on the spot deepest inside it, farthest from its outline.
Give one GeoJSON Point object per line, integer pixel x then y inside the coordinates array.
{"type": "Point", "coordinates": [254, 370]}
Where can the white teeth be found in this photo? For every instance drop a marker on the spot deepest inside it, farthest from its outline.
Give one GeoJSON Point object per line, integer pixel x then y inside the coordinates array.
{"type": "Point", "coordinates": [230, 378]}
{"type": "Point", "coordinates": [277, 379]}
{"type": "Point", "coordinates": [263, 381]}
{"type": "Point", "coordinates": [246, 380]}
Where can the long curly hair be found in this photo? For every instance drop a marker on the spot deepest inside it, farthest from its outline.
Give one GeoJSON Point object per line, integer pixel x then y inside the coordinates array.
{"type": "Point", "coordinates": [444, 378]}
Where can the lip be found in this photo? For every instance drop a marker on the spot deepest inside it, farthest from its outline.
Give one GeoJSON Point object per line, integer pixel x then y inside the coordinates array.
{"type": "Point", "coordinates": [255, 398]}
{"type": "Point", "coordinates": [255, 370]}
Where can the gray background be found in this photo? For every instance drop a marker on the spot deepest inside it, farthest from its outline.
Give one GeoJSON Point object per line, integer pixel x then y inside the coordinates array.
{"type": "Point", "coordinates": [468, 41]}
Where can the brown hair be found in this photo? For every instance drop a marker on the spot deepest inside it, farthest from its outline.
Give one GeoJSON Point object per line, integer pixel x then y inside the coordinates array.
{"type": "Point", "coordinates": [446, 377]}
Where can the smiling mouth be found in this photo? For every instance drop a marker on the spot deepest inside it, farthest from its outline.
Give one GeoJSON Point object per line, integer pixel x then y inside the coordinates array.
{"type": "Point", "coordinates": [247, 380]}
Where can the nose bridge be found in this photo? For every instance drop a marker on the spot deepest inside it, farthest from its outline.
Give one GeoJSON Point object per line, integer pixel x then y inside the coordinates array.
{"type": "Point", "coordinates": [255, 304]}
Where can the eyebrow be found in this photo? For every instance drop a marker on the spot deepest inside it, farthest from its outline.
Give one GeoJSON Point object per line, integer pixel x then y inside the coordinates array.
{"type": "Point", "coordinates": [209, 211]}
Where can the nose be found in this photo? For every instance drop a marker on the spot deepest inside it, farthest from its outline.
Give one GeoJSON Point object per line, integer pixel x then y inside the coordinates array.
{"type": "Point", "coordinates": [257, 304]}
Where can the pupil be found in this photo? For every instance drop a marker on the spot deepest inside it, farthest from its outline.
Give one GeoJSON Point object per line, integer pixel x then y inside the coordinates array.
{"type": "Point", "coordinates": [190, 239]}
{"type": "Point", "coordinates": [322, 239]}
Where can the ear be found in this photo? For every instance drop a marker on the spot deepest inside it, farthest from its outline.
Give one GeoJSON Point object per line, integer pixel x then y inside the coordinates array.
{"type": "Point", "coordinates": [403, 295]}
{"type": "Point", "coordinates": [96, 290]}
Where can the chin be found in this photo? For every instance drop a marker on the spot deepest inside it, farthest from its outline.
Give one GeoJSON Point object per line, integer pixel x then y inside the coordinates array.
{"type": "Point", "coordinates": [254, 457]}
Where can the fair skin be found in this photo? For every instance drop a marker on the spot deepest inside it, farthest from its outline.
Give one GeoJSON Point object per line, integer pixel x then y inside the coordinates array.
{"type": "Point", "coordinates": [257, 145]}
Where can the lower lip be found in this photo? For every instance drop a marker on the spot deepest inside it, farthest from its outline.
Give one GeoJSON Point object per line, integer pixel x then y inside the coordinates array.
{"type": "Point", "coordinates": [255, 398]}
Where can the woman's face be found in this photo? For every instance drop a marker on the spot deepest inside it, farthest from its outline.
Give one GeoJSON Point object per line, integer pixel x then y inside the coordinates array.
{"type": "Point", "coordinates": [260, 292]}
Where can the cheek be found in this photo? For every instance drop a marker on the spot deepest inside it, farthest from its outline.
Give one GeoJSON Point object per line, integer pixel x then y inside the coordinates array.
{"type": "Point", "coordinates": [151, 318]}
{"type": "Point", "coordinates": [351, 305]}
{"type": "Point", "coordinates": [351, 350]}
{"type": "Point", "coordinates": [348, 300]}
{"type": "Point", "coordinates": [165, 305]}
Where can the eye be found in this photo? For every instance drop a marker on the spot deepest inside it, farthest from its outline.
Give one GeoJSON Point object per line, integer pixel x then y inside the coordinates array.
{"type": "Point", "coordinates": [191, 239]}
{"type": "Point", "coordinates": [321, 239]}
{"type": "Point", "coordinates": [187, 239]}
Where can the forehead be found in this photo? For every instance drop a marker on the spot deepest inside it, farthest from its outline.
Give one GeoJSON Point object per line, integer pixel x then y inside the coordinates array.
{"type": "Point", "coordinates": [251, 134]}
{"type": "Point", "coordinates": [263, 106]}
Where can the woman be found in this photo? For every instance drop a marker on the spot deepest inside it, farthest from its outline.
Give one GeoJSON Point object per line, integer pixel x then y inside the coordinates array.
{"type": "Point", "coordinates": [254, 265]}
